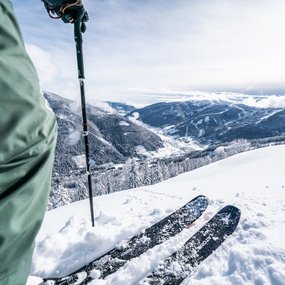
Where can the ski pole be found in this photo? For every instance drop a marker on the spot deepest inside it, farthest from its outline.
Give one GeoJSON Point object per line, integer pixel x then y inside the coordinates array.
{"type": "Point", "coordinates": [79, 28]}
{"type": "Point", "coordinates": [74, 12]}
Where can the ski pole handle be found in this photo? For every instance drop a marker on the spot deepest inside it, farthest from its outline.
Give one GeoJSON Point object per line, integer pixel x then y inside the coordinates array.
{"type": "Point", "coordinates": [67, 10]}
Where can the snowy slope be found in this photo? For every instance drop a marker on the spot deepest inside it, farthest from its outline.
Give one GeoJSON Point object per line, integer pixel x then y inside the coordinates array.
{"type": "Point", "coordinates": [255, 254]}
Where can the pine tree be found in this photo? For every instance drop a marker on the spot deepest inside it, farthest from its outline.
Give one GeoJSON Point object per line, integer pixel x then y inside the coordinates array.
{"type": "Point", "coordinates": [135, 179]}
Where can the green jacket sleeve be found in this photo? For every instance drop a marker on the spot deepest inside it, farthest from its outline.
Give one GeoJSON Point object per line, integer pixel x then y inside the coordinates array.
{"type": "Point", "coordinates": [27, 142]}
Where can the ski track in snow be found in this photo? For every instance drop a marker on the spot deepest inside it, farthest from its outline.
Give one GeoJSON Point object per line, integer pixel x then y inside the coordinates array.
{"type": "Point", "coordinates": [254, 254]}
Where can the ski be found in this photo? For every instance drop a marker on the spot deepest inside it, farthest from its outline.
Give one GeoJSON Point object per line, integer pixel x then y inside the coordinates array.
{"type": "Point", "coordinates": [202, 244]}
{"type": "Point", "coordinates": [134, 247]}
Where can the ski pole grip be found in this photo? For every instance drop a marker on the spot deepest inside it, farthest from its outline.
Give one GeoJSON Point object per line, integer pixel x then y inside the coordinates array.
{"type": "Point", "coordinates": [79, 51]}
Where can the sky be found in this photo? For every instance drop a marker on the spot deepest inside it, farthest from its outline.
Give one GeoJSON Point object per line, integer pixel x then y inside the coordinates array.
{"type": "Point", "coordinates": [159, 46]}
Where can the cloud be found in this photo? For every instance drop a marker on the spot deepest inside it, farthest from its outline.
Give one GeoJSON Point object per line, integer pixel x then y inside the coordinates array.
{"type": "Point", "coordinates": [56, 71]}
{"type": "Point", "coordinates": [275, 102]}
{"type": "Point", "coordinates": [47, 71]}
{"type": "Point", "coordinates": [214, 44]}
{"type": "Point", "coordinates": [129, 45]}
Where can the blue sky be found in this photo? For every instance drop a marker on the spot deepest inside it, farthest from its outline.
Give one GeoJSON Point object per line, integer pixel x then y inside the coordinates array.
{"type": "Point", "coordinates": [145, 46]}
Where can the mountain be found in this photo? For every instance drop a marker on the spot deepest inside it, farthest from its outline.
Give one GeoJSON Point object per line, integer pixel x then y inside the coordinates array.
{"type": "Point", "coordinates": [122, 108]}
{"type": "Point", "coordinates": [125, 153]}
{"type": "Point", "coordinates": [212, 122]}
{"type": "Point", "coordinates": [113, 137]}
{"type": "Point", "coordinates": [253, 181]}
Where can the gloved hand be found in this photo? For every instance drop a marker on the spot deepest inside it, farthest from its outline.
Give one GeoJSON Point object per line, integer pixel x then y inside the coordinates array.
{"type": "Point", "coordinates": [68, 10]}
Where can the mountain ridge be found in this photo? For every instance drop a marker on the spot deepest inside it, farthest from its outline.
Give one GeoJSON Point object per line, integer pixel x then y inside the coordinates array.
{"type": "Point", "coordinates": [214, 122]}
{"type": "Point", "coordinates": [113, 137]}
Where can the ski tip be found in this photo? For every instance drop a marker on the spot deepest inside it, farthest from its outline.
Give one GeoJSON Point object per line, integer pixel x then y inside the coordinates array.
{"type": "Point", "coordinates": [230, 215]}
{"type": "Point", "coordinates": [200, 197]}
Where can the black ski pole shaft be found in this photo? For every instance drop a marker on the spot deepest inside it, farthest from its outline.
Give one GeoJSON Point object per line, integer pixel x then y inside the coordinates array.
{"type": "Point", "coordinates": [79, 53]}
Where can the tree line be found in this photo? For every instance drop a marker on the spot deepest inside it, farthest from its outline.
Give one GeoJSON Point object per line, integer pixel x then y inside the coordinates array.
{"type": "Point", "coordinates": [137, 172]}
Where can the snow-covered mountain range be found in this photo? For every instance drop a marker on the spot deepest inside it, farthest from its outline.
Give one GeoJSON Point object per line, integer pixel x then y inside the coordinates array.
{"type": "Point", "coordinates": [113, 137]}
{"type": "Point", "coordinates": [211, 120]}
{"type": "Point", "coordinates": [146, 155]}
{"type": "Point", "coordinates": [253, 181]}
{"type": "Point", "coordinates": [116, 133]}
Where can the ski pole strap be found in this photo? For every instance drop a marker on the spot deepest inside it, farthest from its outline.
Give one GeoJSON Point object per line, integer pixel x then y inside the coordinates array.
{"type": "Point", "coordinates": [67, 10]}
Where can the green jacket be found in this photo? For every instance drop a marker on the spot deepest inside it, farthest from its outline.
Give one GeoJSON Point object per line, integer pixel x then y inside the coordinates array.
{"type": "Point", "coordinates": [27, 142]}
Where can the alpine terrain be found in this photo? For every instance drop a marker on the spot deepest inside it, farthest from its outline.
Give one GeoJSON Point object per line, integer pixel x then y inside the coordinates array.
{"type": "Point", "coordinates": [252, 181]}
{"type": "Point", "coordinates": [216, 119]}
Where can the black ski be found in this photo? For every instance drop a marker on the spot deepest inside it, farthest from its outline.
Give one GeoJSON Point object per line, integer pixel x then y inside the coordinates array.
{"type": "Point", "coordinates": [196, 249]}
{"type": "Point", "coordinates": [156, 234]}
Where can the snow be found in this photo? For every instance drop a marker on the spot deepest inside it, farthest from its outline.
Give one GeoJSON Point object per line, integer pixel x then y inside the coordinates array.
{"type": "Point", "coordinates": [266, 117]}
{"type": "Point", "coordinates": [255, 254]}
{"type": "Point", "coordinates": [80, 160]}
{"type": "Point", "coordinates": [74, 137]}
{"type": "Point", "coordinates": [124, 123]}
{"type": "Point", "coordinates": [274, 101]}
{"type": "Point", "coordinates": [207, 119]}
{"type": "Point", "coordinates": [135, 116]}
{"type": "Point", "coordinates": [201, 133]}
